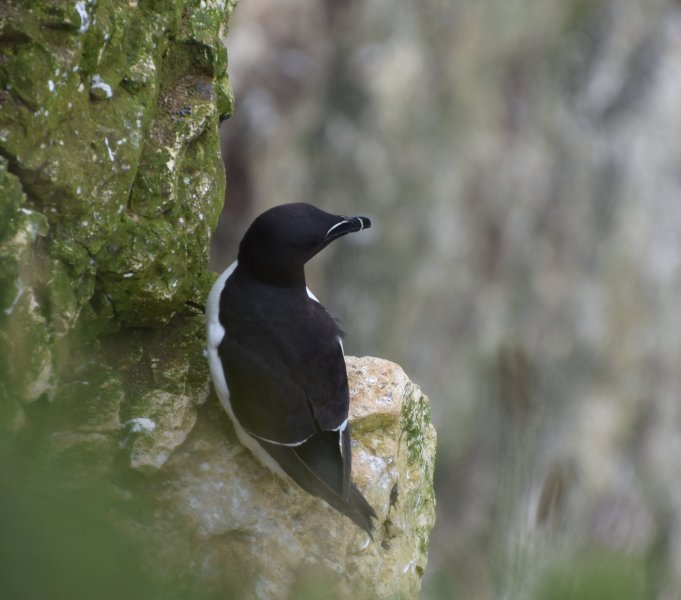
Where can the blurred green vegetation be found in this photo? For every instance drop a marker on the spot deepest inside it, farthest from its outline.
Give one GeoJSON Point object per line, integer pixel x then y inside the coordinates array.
{"type": "Point", "coordinates": [65, 533]}
{"type": "Point", "coordinates": [61, 543]}
{"type": "Point", "coordinates": [596, 576]}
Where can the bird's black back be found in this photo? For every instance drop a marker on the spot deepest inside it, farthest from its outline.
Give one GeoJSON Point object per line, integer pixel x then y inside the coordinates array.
{"type": "Point", "coordinates": [283, 360]}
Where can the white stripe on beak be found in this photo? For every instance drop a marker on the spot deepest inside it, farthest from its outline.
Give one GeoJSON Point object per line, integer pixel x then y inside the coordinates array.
{"type": "Point", "coordinates": [336, 225]}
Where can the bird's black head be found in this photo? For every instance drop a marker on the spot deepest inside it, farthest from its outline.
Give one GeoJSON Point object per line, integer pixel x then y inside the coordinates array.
{"type": "Point", "coordinates": [281, 240]}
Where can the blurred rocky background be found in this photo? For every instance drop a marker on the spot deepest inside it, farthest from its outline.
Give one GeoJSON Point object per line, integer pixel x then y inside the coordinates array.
{"type": "Point", "coordinates": [521, 162]}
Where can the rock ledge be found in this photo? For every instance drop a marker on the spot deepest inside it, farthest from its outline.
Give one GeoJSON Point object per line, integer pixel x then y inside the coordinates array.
{"type": "Point", "coordinates": [241, 526]}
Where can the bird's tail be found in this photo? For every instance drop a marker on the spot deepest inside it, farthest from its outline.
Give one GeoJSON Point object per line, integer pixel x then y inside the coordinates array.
{"type": "Point", "coordinates": [311, 472]}
{"type": "Point", "coordinates": [355, 507]}
{"type": "Point", "coordinates": [360, 511]}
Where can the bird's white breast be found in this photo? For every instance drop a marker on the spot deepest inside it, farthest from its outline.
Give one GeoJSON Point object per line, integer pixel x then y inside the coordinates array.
{"type": "Point", "coordinates": [215, 332]}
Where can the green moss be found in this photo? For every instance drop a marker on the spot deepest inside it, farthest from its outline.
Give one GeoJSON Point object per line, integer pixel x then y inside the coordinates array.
{"type": "Point", "coordinates": [420, 437]}
{"type": "Point", "coordinates": [150, 166]}
{"type": "Point", "coordinates": [415, 421]}
{"type": "Point", "coordinates": [11, 218]}
{"type": "Point", "coordinates": [25, 353]}
{"type": "Point", "coordinates": [203, 286]}
{"type": "Point", "coordinates": [127, 179]}
{"type": "Point", "coordinates": [170, 358]}
{"type": "Point", "coordinates": [26, 342]}
{"type": "Point", "coordinates": [91, 400]}
{"type": "Point", "coordinates": [164, 377]}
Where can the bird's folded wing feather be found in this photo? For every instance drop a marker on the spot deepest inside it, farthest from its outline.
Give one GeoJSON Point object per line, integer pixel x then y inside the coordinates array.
{"type": "Point", "coordinates": [318, 467]}
{"type": "Point", "coordinates": [267, 402]}
{"type": "Point", "coordinates": [297, 368]}
{"type": "Point", "coordinates": [324, 380]}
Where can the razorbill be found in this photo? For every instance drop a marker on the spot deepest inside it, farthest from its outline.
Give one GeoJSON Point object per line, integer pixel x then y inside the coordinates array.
{"type": "Point", "coordinates": [276, 356]}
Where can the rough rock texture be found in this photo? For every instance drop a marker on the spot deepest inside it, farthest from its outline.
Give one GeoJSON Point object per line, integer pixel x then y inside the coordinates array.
{"type": "Point", "coordinates": [110, 173]}
{"type": "Point", "coordinates": [241, 524]}
{"type": "Point", "coordinates": [110, 185]}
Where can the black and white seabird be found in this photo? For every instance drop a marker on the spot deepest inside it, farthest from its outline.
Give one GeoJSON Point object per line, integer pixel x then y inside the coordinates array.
{"type": "Point", "coordinates": [276, 356]}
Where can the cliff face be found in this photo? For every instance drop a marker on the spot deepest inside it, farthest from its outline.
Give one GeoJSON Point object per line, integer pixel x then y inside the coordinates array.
{"type": "Point", "coordinates": [110, 168]}
{"type": "Point", "coordinates": [110, 185]}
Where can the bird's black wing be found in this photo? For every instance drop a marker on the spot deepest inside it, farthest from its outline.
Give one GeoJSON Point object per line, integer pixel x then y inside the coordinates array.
{"type": "Point", "coordinates": [283, 360]}
{"type": "Point", "coordinates": [316, 362]}
{"type": "Point", "coordinates": [274, 408]}
{"type": "Point", "coordinates": [266, 402]}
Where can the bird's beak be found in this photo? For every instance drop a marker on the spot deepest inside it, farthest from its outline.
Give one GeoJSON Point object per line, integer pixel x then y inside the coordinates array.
{"type": "Point", "coordinates": [347, 225]}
